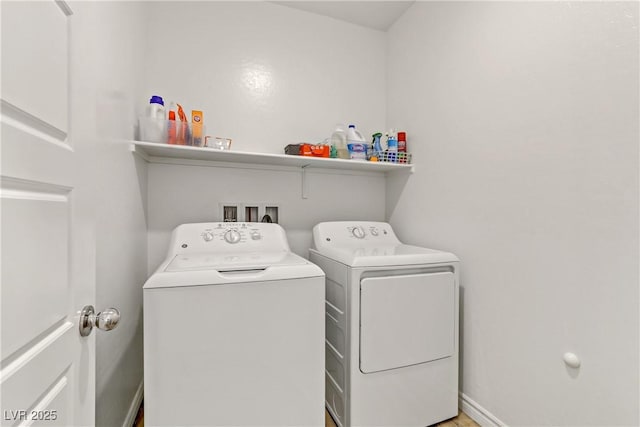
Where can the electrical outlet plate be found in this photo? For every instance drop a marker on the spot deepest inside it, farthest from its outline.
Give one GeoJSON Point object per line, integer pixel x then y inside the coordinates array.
{"type": "Point", "coordinates": [248, 211]}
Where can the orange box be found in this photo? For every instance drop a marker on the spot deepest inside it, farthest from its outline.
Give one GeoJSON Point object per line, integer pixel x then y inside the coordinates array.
{"type": "Point", "coordinates": [196, 127]}
{"type": "Point", "coordinates": [314, 150]}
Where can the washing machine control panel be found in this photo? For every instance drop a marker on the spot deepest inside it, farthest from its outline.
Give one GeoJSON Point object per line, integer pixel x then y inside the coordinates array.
{"type": "Point", "coordinates": [234, 233]}
{"type": "Point", "coordinates": [225, 236]}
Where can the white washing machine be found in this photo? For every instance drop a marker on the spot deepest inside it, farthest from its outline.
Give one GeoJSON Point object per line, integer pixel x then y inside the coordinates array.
{"type": "Point", "coordinates": [233, 331]}
{"type": "Point", "coordinates": [391, 327]}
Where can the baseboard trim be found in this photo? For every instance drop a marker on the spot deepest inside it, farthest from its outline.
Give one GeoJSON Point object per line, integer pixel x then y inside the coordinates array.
{"type": "Point", "coordinates": [135, 405]}
{"type": "Point", "coordinates": [469, 406]}
{"type": "Point", "coordinates": [477, 413]}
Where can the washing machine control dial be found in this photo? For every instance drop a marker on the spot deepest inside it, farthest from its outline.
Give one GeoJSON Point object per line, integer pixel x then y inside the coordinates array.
{"type": "Point", "coordinates": [232, 236]}
{"type": "Point", "coordinates": [358, 232]}
{"type": "Point", "coordinates": [255, 235]}
{"type": "Point", "coordinates": [207, 236]}
{"type": "Point", "coordinates": [374, 231]}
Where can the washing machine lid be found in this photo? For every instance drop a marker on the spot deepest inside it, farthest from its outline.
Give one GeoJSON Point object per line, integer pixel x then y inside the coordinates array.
{"type": "Point", "coordinates": [200, 269]}
{"type": "Point", "coordinates": [231, 261]}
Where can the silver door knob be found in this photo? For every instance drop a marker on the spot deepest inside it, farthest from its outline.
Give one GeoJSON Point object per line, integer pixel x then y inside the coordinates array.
{"type": "Point", "coordinates": [105, 320]}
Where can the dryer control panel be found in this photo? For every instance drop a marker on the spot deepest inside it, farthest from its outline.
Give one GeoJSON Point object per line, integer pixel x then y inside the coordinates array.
{"type": "Point", "coordinates": [228, 237]}
{"type": "Point", "coordinates": [354, 233]}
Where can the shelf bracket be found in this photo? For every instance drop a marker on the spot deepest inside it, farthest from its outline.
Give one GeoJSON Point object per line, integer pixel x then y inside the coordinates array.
{"type": "Point", "coordinates": [303, 171]}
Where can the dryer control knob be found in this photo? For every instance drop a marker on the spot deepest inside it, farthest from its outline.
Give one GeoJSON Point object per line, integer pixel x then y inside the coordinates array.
{"type": "Point", "coordinates": [207, 236]}
{"type": "Point", "coordinates": [358, 232]}
{"type": "Point", "coordinates": [255, 235]}
{"type": "Point", "coordinates": [232, 236]}
{"type": "Point", "coordinates": [374, 231]}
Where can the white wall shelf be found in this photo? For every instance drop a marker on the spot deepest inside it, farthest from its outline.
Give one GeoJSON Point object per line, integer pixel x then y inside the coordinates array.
{"type": "Point", "coordinates": [158, 153]}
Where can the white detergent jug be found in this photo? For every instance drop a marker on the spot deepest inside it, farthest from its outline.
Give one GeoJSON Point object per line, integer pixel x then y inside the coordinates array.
{"type": "Point", "coordinates": [353, 136]}
{"type": "Point", "coordinates": [356, 144]}
{"type": "Point", "coordinates": [339, 140]}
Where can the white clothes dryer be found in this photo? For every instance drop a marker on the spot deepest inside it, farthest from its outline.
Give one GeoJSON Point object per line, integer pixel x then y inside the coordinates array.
{"type": "Point", "coordinates": [391, 327]}
{"type": "Point", "coordinates": [233, 331]}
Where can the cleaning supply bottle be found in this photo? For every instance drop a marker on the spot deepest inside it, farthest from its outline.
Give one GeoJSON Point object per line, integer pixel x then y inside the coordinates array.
{"type": "Point", "coordinates": [152, 124]}
{"type": "Point", "coordinates": [155, 109]}
{"type": "Point", "coordinates": [402, 142]}
{"type": "Point", "coordinates": [353, 136]}
{"type": "Point", "coordinates": [356, 144]}
{"type": "Point", "coordinates": [184, 136]}
{"type": "Point", "coordinates": [392, 142]}
{"type": "Point", "coordinates": [377, 146]}
{"type": "Point", "coordinates": [172, 137]}
{"type": "Point", "coordinates": [339, 140]}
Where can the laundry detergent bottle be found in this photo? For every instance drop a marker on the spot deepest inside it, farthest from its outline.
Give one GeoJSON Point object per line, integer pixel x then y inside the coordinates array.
{"type": "Point", "coordinates": [356, 144]}
{"type": "Point", "coordinates": [353, 136]}
{"type": "Point", "coordinates": [339, 140]}
{"type": "Point", "coordinates": [155, 109]}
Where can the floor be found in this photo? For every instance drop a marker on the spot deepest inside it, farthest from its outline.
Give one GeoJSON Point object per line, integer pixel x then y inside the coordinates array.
{"type": "Point", "coordinates": [462, 420]}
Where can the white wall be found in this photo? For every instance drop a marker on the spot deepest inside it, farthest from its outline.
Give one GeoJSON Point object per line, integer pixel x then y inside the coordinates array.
{"type": "Point", "coordinates": [265, 75]}
{"type": "Point", "coordinates": [181, 194]}
{"type": "Point", "coordinates": [523, 121]}
{"type": "Point", "coordinates": [109, 38]}
{"type": "Point", "coordinates": [522, 118]}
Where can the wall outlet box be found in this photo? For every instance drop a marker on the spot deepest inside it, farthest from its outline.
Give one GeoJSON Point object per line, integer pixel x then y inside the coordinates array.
{"type": "Point", "coordinates": [249, 212]}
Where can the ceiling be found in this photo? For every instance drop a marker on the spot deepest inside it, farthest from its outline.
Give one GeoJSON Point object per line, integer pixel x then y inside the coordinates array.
{"type": "Point", "coordinates": [379, 15]}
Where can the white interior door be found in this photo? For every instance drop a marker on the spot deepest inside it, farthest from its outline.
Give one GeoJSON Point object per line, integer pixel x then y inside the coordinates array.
{"type": "Point", "coordinates": [47, 371]}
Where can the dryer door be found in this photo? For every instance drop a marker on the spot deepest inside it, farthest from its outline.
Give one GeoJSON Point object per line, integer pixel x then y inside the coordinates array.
{"type": "Point", "coordinates": [406, 320]}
